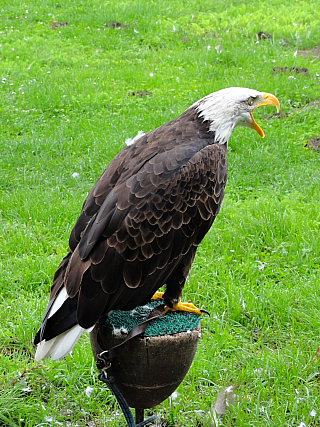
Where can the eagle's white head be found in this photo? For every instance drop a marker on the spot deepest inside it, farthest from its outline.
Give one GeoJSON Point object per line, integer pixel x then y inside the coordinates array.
{"type": "Point", "coordinates": [231, 107]}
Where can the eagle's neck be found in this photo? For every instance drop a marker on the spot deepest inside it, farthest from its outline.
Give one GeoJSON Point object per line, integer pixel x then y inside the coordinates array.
{"type": "Point", "coordinates": [219, 113]}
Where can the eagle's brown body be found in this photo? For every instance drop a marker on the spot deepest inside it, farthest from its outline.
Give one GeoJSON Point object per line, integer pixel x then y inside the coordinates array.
{"type": "Point", "coordinates": [143, 220]}
{"type": "Point", "coordinates": [141, 223]}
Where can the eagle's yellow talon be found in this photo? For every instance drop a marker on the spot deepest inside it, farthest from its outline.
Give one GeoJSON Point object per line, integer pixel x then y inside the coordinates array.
{"type": "Point", "coordinates": [188, 304]}
{"type": "Point", "coordinates": [183, 306]}
{"type": "Point", "coordinates": [158, 295]}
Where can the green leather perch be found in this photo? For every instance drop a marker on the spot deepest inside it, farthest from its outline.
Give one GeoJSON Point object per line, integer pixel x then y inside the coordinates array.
{"type": "Point", "coordinates": [148, 368]}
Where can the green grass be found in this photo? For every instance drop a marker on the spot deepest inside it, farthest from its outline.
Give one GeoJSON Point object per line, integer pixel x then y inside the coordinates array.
{"type": "Point", "coordinates": [64, 109]}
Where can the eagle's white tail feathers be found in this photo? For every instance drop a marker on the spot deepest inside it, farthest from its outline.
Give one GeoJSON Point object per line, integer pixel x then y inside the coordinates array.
{"type": "Point", "coordinates": [61, 345]}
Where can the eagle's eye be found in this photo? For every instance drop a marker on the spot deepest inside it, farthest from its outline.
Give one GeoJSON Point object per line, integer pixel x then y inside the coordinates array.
{"type": "Point", "coordinates": [250, 101]}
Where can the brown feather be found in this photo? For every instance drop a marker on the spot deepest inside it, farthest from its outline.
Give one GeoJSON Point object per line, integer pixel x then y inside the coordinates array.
{"type": "Point", "coordinates": [132, 273]}
{"type": "Point", "coordinates": [74, 273]}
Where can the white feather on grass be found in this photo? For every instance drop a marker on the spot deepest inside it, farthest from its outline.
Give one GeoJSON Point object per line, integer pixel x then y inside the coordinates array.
{"type": "Point", "coordinates": [224, 399]}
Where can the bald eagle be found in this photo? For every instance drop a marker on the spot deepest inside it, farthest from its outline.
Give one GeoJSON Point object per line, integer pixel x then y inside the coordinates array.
{"type": "Point", "coordinates": [143, 220]}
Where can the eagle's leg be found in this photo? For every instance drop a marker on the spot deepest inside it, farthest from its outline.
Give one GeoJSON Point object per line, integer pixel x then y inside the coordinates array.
{"type": "Point", "coordinates": [157, 295]}
{"type": "Point", "coordinates": [175, 284]}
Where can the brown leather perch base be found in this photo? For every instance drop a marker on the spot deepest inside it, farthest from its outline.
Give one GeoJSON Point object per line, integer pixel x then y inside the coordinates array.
{"type": "Point", "coordinates": [147, 370]}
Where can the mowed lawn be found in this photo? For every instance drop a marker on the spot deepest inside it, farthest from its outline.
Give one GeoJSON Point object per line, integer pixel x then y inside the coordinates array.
{"type": "Point", "coordinates": [70, 96]}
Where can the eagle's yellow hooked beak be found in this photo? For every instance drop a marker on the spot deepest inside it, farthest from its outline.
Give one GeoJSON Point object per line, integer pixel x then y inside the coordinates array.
{"type": "Point", "coordinates": [268, 99]}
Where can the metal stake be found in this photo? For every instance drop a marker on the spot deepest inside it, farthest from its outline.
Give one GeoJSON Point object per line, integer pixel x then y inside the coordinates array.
{"type": "Point", "coordinates": [139, 415]}
{"type": "Point", "coordinates": [123, 404]}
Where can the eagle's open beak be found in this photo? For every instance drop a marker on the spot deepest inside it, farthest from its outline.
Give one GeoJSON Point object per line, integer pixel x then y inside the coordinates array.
{"type": "Point", "coordinates": [268, 100]}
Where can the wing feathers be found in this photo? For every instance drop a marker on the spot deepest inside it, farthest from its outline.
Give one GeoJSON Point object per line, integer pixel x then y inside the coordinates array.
{"type": "Point", "coordinates": [75, 270]}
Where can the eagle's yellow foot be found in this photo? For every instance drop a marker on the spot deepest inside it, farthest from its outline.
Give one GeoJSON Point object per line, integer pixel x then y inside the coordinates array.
{"type": "Point", "coordinates": [158, 295]}
{"type": "Point", "coordinates": [184, 306]}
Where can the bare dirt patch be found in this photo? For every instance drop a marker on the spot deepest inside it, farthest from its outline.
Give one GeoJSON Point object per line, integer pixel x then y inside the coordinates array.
{"type": "Point", "coordinates": [140, 93]}
{"type": "Point", "coordinates": [313, 143]}
{"type": "Point", "coordinates": [296, 70]}
{"type": "Point", "coordinates": [116, 24]}
{"type": "Point", "coordinates": [315, 52]}
{"type": "Point", "coordinates": [263, 36]}
{"type": "Point", "coordinates": [313, 104]}
{"type": "Point", "coordinates": [56, 24]}
{"type": "Point", "coordinates": [277, 116]}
